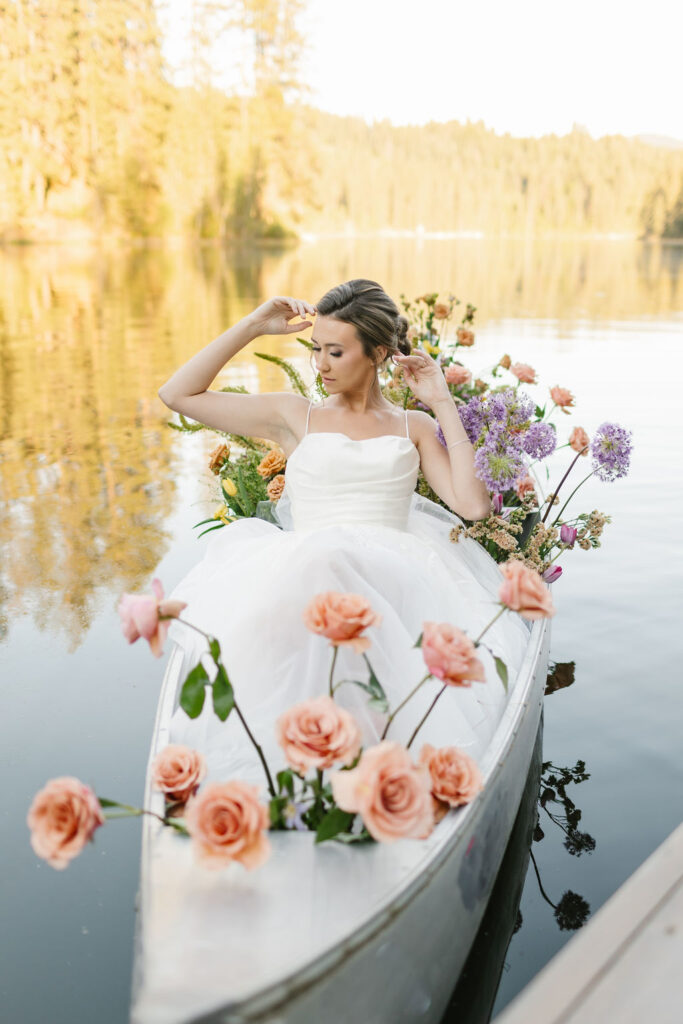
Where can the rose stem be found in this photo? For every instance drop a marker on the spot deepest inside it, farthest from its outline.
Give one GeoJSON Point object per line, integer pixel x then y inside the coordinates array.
{"type": "Point", "coordinates": [334, 659]}
{"type": "Point", "coordinates": [393, 714]}
{"type": "Point", "coordinates": [424, 717]}
{"type": "Point", "coordinates": [486, 628]}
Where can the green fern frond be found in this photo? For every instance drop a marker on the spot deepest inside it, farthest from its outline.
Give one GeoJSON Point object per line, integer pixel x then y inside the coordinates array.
{"type": "Point", "coordinates": [294, 375]}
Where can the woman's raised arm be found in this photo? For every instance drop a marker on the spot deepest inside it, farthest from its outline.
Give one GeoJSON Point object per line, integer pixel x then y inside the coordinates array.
{"type": "Point", "coordinates": [250, 415]}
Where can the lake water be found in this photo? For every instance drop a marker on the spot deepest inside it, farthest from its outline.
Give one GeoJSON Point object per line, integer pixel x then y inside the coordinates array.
{"type": "Point", "coordinates": [97, 495]}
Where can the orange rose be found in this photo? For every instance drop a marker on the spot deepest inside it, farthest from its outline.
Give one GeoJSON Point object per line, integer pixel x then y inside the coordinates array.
{"type": "Point", "coordinates": [341, 618]}
{"type": "Point", "coordinates": [524, 373]}
{"type": "Point", "coordinates": [524, 486]}
{"type": "Point", "coordinates": [465, 337]}
{"type": "Point", "coordinates": [504, 361]}
{"type": "Point", "coordinates": [227, 822]}
{"type": "Point", "coordinates": [272, 463]}
{"type": "Point", "coordinates": [62, 818]}
{"type": "Point", "coordinates": [140, 616]}
{"type": "Point", "coordinates": [562, 398]}
{"type": "Point", "coordinates": [456, 778]}
{"type": "Point", "coordinates": [177, 772]}
{"type": "Point", "coordinates": [578, 439]}
{"type": "Point", "coordinates": [275, 487]}
{"type": "Point", "coordinates": [450, 655]}
{"type": "Point", "coordinates": [457, 375]}
{"type": "Point", "coordinates": [524, 591]}
{"type": "Point", "coordinates": [218, 456]}
{"type": "Point", "coordinates": [391, 794]}
{"type": "Point", "coordinates": [317, 734]}
{"type": "Point", "coordinates": [441, 311]}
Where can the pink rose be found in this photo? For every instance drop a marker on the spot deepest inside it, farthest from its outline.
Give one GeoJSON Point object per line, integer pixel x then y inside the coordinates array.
{"type": "Point", "coordinates": [316, 734]}
{"type": "Point", "coordinates": [391, 794]}
{"type": "Point", "coordinates": [465, 337]}
{"type": "Point", "coordinates": [524, 591]}
{"type": "Point", "coordinates": [140, 617]}
{"type": "Point", "coordinates": [563, 398]}
{"type": "Point", "coordinates": [62, 819]}
{"type": "Point", "coordinates": [578, 439]}
{"type": "Point", "coordinates": [227, 822]}
{"type": "Point", "coordinates": [524, 373]}
{"type": "Point", "coordinates": [341, 618]}
{"type": "Point", "coordinates": [456, 778]}
{"type": "Point", "coordinates": [450, 655]}
{"type": "Point", "coordinates": [177, 771]}
{"type": "Point", "coordinates": [524, 486]}
{"type": "Point", "coordinates": [441, 311]}
{"type": "Point", "coordinates": [457, 375]}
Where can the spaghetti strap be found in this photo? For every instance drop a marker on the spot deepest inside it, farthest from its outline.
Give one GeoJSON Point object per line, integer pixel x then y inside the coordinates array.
{"type": "Point", "coordinates": [407, 431]}
{"type": "Point", "coordinates": [310, 403]}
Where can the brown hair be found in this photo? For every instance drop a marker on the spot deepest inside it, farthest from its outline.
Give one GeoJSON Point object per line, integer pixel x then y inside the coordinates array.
{"type": "Point", "coordinates": [375, 315]}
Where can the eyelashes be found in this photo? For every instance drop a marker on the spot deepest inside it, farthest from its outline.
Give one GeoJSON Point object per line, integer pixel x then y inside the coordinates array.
{"type": "Point", "coordinates": [335, 354]}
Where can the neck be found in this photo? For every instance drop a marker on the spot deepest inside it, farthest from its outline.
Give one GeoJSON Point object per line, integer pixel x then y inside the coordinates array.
{"type": "Point", "coordinates": [365, 398]}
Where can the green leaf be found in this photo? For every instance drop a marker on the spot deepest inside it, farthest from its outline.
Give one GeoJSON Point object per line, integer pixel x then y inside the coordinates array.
{"type": "Point", "coordinates": [540, 412]}
{"type": "Point", "coordinates": [214, 647]}
{"type": "Point", "coordinates": [354, 837]}
{"type": "Point", "coordinates": [285, 781]}
{"type": "Point", "coordinates": [305, 342]}
{"type": "Point", "coordinates": [418, 642]}
{"type": "Point", "coordinates": [219, 526]}
{"type": "Point", "coordinates": [223, 694]}
{"type": "Point", "coordinates": [245, 500]}
{"type": "Point", "coordinates": [107, 803]}
{"type": "Point", "coordinates": [294, 375]}
{"type": "Point", "coordinates": [502, 670]}
{"type": "Point", "coordinates": [203, 521]}
{"type": "Point", "coordinates": [276, 806]}
{"type": "Point", "coordinates": [334, 822]}
{"type": "Point", "coordinates": [193, 692]}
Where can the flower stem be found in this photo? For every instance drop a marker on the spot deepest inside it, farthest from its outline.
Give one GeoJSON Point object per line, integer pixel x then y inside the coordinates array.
{"type": "Point", "coordinates": [259, 751]}
{"type": "Point", "coordinates": [551, 497]}
{"type": "Point", "coordinates": [334, 659]}
{"type": "Point", "coordinates": [136, 812]}
{"type": "Point", "coordinates": [484, 630]}
{"type": "Point", "coordinates": [425, 716]}
{"type": "Point", "coordinates": [571, 496]}
{"type": "Point", "coordinates": [405, 700]}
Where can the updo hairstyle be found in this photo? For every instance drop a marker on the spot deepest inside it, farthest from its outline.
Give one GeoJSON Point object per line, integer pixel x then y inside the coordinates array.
{"type": "Point", "coordinates": [372, 312]}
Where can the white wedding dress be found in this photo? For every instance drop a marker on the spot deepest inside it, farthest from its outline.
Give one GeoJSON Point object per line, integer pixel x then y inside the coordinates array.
{"type": "Point", "coordinates": [352, 522]}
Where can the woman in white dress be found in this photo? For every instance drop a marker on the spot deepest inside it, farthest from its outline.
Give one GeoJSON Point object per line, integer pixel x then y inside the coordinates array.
{"type": "Point", "coordinates": [350, 521]}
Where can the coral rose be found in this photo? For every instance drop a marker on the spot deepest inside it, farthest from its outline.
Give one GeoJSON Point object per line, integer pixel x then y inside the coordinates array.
{"type": "Point", "coordinates": [341, 618]}
{"type": "Point", "coordinates": [524, 373]}
{"type": "Point", "coordinates": [272, 463]}
{"type": "Point", "coordinates": [177, 771]}
{"type": "Point", "coordinates": [457, 375]}
{"type": "Point", "coordinates": [578, 440]}
{"type": "Point", "coordinates": [63, 817]}
{"type": "Point", "coordinates": [391, 794]}
{"type": "Point", "coordinates": [275, 487]}
{"type": "Point", "coordinates": [524, 486]}
{"type": "Point", "coordinates": [450, 655]}
{"type": "Point", "coordinates": [140, 616]}
{"type": "Point", "coordinates": [227, 822]}
{"type": "Point", "coordinates": [465, 337]}
{"type": "Point", "coordinates": [218, 456]}
{"type": "Point", "coordinates": [524, 591]}
{"type": "Point", "coordinates": [456, 778]}
{"type": "Point", "coordinates": [505, 362]}
{"type": "Point", "coordinates": [562, 398]}
{"type": "Point", "coordinates": [441, 311]}
{"type": "Point", "coordinates": [317, 734]}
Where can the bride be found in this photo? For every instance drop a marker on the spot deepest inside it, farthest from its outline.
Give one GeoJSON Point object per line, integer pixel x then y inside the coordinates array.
{"type": "Point", "coordinates": [350, 521]}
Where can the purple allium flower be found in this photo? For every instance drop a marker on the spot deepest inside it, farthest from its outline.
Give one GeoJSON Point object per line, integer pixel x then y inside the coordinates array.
{"type": "Point", "coordinates": [498, 462]}
{"type": "Point", "coordinates": [472, 418]}
{"type": "Point", "coordinates": [552, 573]}
{"type": "Point", "coordinates": [540, 440]}
{"type": "Point", "coordinates": [611, 450]}
{"type": "Point", "coordinates": [568, 534]}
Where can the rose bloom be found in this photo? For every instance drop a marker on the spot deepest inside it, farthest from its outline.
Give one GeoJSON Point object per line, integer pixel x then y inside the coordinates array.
{"type": "Point", "coordinates": [227, 822]}
{"type": "Point", "coordinates": [578, 439]}
{"type": "Point", "coordinates": [391, 794]}
{"type": "Point", "coordinates": [140, 616]}
{"type": "Point", "coordinates": [177, 771]}
{"type": "Point", "coordinates": [505, 362]}
{"type": "Point", "coordinates": [317, 734]}
{"type": "Point", "coordinates": [441, 311]}
{"type": "Point", "coordinates": [276, 487]}
{"type": "Point", "coordinates": [465, 336]}
{"type": "Point", "coordinates": [218, 456]}
{"type": "Point", "coordinates": [563, 398]}
{"type": "Point", "coordinates": [450, 655]}
{"type": "Point", "coordinates": [457, 375]}
{"type": "Point", "coordinates": [272, 463]}
{"type": "Point", "coordinates": [523, 591]}
{"type": "Point", "coordinates": [62, 818]}
{"type": "Point", "coordinates": [456, 778]}
{"type": "Point", "coordinates": [524, 373]}
{"type": "Point", "coordinates": [341, 618]}
{"type": "Point", "coordinates": [524, 486]}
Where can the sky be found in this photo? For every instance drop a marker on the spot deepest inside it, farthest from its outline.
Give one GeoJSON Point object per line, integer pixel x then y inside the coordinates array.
{"type": "Point", "coordinates": [525, 67]}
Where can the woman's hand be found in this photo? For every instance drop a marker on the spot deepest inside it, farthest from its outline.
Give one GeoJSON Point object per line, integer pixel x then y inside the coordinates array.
{"type": "Point", "coordinates": [424, 377]}
{"type": "Point", "coordinates": [273, 315]}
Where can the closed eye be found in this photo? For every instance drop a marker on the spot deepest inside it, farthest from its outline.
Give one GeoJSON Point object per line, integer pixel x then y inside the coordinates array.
{"type": "Point", "coordinates": [335, 354]}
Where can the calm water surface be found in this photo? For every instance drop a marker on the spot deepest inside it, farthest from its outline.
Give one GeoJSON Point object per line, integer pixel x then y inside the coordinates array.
{"type": "Point", "coordinates": [98, 494]}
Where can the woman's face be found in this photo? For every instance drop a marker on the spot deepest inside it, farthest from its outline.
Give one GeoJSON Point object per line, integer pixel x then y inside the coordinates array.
{"type": "Point", "coordinates": [339, 357]}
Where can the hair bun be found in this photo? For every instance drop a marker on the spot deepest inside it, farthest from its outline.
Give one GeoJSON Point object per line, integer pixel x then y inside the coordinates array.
{"type": "Point", "coordinates": [402, 342]}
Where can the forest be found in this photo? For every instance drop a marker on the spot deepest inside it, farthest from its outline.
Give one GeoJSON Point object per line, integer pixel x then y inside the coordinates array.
{"type": "Point", "coordinates": [97, 140]}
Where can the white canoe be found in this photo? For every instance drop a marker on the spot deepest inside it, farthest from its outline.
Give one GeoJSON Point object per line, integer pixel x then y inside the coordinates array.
{"type": "Point", "coordinates": [373, 933]}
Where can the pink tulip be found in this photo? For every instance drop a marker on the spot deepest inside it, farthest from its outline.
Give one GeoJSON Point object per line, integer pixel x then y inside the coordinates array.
{"type": "Point", "coordinates": [568, 534]}
{"type": "Point", "coordinates": [552, 573]}
{"type": "Point", "coordinates": [497, 503]}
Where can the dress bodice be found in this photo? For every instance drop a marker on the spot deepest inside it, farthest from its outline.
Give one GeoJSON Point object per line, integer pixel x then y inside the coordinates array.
{"type": "Point", "coordinates": [332, 478]}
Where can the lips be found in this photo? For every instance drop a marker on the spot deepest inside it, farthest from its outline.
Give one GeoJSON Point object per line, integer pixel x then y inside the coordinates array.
{"type": "Point", "coordinates": [328, 379]}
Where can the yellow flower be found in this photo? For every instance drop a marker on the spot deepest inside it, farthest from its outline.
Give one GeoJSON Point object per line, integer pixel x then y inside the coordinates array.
{"type": "Point", "coordinates": [220, 512]}
{"type": "Point", "coordinates": [229, 487]}
{"type": "Point", "coordinates": [432, 349]}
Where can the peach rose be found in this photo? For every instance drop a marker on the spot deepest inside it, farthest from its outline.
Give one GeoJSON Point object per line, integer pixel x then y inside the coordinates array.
{"type": "Point", "coordinates": [62, 818]}
{"type": "Point", "coordinates": [450, 655]}
{"type": "Point", "coordinates": [578, 439]}
{"type": "Point", "coordinates": [441, 311]}
{"type": "Point", "coordinates": [177, 771]}
{"type": "Point", "coordinates": [272, 463]}
{"type": "Point", "coordinates": [505, 362]}
{"type": "Point", "coordinates": [465, 337]}
{"type": "Point", "coordinates": [524, 373]}
{"type": "Point", "coordinates": [218, 456]}
{"type": "Point", "coordinates": [524, 591]}
{"type": "Point", "coordinates": [227, 822]}
{"type": "Point", "coordinates": [524, 486]}
{"type": "Point", "coordinates": [317, 734]}
{"type": "Point", "coordinates": [276, 487]}
{"type": "Point", "coordinates": [562, 398]}
{"type": "Point", "coordinates": [140, 616]}
{"type": "Point", "coordinates": [341, 618]}
{"type": "Point", "coordinates": [456, 778]}
{"type": "Point", "coordinates": [457, 375]}
{"type": "Point", "coordinates": [391, 794]}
